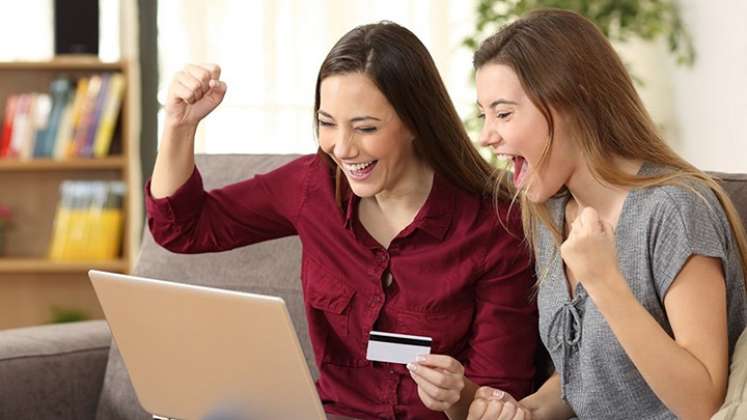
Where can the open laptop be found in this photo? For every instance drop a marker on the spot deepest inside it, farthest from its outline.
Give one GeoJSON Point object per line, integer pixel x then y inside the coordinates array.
{"type": "Point", "coordinates": [199, 353]}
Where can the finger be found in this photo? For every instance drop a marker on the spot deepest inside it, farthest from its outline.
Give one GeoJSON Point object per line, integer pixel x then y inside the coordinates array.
{"type": "Point", "coordinates": [449, 395]}
{"type": "Point", "coordinates": [440, 378]}
{"type": "Point", "coordinates": [191, 83]}
{"type": "Point", "coordinates": [590, 218]}
{"type": "Point", "coordinates": [493, 410]}
{"type": "Point", "coordinates": [214, 70]}
{"type": "Point", "coordinates": [489, 393]}
{"type": "Point", "coordinates": [441, 361]}
{"type": "Point", "coordinates": [202, 75]}
{"type": "Point", "coordinates": [182, 92]}
{"type": "Point", "coordinates": [434, 404]}
{"type": "Point", "coordinates": [217, 87]}
{"type": "Point", "coordinates": [508, 411]}
{"type": "Point", "coordinates": [477, 409]}
{"type": "Point", "coordinates": [521, 414]}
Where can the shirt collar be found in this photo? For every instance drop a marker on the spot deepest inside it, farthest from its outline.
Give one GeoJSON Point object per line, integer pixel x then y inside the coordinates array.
{"type": "Point", "coordinates": [434, 218]}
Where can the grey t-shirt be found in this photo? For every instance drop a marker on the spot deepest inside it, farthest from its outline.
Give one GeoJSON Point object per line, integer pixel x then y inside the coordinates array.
{"type": "Point", "coordinates": [658, 229]}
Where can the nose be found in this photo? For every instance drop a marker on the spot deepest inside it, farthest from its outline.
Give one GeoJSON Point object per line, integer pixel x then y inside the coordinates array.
{"type": "Point", "coordinates": [489, 136]}
{"type": "Point", "coordinates": [344, 147]}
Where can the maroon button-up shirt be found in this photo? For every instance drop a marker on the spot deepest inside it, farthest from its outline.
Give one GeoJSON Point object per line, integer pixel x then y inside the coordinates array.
{"type": "Point", "coordinates": [456, 276]}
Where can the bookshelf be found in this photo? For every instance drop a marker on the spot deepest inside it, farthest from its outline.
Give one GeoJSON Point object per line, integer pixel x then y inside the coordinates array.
{"type": "Point", "coordinates": [31, 285]}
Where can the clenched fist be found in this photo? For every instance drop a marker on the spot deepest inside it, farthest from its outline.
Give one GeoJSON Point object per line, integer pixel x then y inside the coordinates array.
{"type": "Point", "coordinates": [195, 91]}
{"type": "Point", "coordinates": [590, 251]}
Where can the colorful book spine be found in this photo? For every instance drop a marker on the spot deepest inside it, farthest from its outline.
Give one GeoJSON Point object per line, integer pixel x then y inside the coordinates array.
{"type": "Point", "coordinates": [109, 116]}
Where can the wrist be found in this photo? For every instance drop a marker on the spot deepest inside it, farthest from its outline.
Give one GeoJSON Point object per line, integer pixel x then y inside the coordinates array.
{"type": "Point", "coordinates": [179, 126]}
{"type": "Point", "coordinates": [614, 290]}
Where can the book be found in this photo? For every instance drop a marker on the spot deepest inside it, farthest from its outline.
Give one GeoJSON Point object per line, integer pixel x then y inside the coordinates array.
{"type": "Point", "coordinates": [60, 91]}
{"type": "Point", "coordinates": [87, 116]}
{"type": "Point", "coordinates": [7, 127]}
{"type": "Point", "coordinates": [109, 115]}
{"type": "Point", "coordinates": [87, 148]}
{"type": "Point", "coordinates": [65, 148]}
{"type": "Point", "coordinates": [89, 222]}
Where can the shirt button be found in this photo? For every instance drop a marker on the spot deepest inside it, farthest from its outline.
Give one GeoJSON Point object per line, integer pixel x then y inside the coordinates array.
{"type": "Point", "coordinates": [391, 371]}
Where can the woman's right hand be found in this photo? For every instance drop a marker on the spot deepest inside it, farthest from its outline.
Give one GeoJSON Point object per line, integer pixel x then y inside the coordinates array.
{"type": "Point", "coordinates": [195, 91]}
{"type": "Point", "coordinates": [494, 404]}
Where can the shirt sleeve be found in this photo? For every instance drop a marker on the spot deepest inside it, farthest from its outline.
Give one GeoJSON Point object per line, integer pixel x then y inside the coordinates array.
{"type": "Point", "coordinates": [264, 207]}
{"type": "Point", "coordinates": [685, 223]}
{"type": "Point", "coordinates": [504, 337]}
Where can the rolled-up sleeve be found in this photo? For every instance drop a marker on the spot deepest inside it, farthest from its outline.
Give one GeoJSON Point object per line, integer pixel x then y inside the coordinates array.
{"type": "Point", "coordinates": [193, 220]}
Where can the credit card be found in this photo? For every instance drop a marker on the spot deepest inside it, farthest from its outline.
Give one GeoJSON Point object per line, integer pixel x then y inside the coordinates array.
{"type": "Point", "coordinates": [396, 348]}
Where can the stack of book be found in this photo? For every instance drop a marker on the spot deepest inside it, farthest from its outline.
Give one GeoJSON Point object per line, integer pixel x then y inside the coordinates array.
{"type": "Point", "coordinates": [89, 222]}
{"type": "Point", "coordinates": [76, 119]}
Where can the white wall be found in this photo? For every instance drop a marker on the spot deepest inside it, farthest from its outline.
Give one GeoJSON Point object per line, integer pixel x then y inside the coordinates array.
{"type": "Point", "coordinates": [710, 99]}
{"type": "Point", "coordinates": [704, 108]}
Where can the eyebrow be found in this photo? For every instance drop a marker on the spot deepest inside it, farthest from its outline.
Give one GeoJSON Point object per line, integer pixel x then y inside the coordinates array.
{"type": "Point", "coordinates": [356, 119]}
{"type": "Point", "coordinates": [497, 102]}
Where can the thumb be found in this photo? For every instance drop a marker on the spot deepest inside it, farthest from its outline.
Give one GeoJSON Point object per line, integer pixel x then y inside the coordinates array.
{"type": "Point", "coordinates": [217, 89]}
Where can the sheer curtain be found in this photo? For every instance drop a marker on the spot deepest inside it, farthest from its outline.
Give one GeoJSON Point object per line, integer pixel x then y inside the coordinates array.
{"type": "Point", "coordinates": [270, 52]}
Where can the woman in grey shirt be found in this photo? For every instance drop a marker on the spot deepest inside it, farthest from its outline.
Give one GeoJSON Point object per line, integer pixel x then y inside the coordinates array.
{"type": "Point", "coordinates": [640, 256]}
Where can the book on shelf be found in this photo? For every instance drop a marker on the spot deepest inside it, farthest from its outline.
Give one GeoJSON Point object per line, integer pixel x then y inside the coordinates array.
{"type": "Point", "coordinates": [89, 221]}
{"type": "Point", "coordinates": [77, 118]}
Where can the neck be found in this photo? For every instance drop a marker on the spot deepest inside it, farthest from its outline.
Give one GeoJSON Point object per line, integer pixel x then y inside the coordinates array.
{"type": "Point", "coordinates": [408, 194]}
{"type": "Point", "coordinates": [606, 199]}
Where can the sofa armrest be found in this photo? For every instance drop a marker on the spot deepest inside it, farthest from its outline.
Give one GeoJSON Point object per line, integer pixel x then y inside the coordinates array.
{"type": "Point", "coordinates": [53, 371]}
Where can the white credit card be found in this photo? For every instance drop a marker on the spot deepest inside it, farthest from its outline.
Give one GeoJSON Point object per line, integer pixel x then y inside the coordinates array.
{"type": "Point", "coordinates": [396, 348]}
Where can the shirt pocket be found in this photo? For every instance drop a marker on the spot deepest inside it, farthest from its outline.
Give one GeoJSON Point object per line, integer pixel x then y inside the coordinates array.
{"type": "Point", "coordinates": [329, 299]}
{"type": "Point", "coordinates": [449, 329]}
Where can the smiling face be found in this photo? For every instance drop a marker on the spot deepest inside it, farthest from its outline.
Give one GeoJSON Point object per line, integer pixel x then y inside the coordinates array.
{"type": "Point", "coordinates": [514, 128]}
{"type": "Point", "coordinates": [360, 130]}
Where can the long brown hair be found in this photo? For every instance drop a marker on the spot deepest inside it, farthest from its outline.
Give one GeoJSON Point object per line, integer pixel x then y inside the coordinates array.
{"type": "Point", "coordinates": [565, 64]}
{"type": "Point", "coordinates": [403, 70]}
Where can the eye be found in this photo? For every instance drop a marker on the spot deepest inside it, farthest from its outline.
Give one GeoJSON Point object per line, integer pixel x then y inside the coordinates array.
{"type": "Point", "coordinates": [481, 115]}
{"type": "Point", "coordinates": [367, 129]}
{"type": "Point", "coordinates": [325, 123]}
{"type": "Point", "coordinates": [503, 115]}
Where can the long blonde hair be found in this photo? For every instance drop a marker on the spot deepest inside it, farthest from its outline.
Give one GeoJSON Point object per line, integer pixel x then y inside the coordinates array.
{"type": "Point", "coordinates": [565, 64]}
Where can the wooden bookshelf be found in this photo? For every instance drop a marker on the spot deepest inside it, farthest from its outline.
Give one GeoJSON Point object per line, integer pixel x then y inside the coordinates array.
{"type": "Point", "coordinates": [31, 285]}
{"type": "Point", "coordinates": [14, 165]}
{"type": "Point", "coordinates": [43, 265]}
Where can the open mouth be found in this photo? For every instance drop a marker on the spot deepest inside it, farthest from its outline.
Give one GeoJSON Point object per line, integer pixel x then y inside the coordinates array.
{"type": "Point", "coordinates": [521, 168]}
{"type": "Point", "coordinates": [360, 170]}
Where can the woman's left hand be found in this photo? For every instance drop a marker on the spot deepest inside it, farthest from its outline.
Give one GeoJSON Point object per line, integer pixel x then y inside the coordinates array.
{"type": "Point", "coordinates": [440, 380]}
{"type": "Point", "coordinates": [590, 251]}
{"type": "Point", "coordinates": [494, 404]}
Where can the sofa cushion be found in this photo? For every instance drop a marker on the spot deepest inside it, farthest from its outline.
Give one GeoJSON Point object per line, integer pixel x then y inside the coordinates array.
{"type": "Point", "coordinates": [53, 371]}
{"type": "Point", "coordinates": [271, 267]}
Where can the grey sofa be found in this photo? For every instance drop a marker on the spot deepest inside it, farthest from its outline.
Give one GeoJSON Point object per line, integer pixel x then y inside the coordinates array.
{"type": "Point", "coordinates": [74, 371]}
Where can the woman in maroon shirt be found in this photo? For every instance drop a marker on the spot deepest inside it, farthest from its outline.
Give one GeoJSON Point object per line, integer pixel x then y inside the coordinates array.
{"type": "Point", "coordinates": [399, 229]}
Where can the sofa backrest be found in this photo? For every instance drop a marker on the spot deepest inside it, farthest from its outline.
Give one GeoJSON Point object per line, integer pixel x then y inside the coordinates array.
{"type": "Point", "coordinates": [736, 186]}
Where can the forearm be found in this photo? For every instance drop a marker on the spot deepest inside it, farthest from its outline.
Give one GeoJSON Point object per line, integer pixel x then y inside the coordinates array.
{"type": "Point", "coordinates": [175, 160]}
{"type": "Point", "coordinates": [645, 342]}
{"type": "Point", "coordinates": [546, 404]}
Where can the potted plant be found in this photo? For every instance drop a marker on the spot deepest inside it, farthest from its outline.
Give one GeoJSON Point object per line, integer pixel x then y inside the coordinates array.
{"type": "Point", "coordinates": [618, 20]}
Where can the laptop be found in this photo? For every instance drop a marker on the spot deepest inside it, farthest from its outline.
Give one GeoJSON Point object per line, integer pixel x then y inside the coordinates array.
{"type": "Point", "coordinates": [199, 353]}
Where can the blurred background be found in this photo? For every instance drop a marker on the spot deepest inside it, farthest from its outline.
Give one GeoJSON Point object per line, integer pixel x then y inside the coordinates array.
{"type": "Point", "coordinates": [270, 51]}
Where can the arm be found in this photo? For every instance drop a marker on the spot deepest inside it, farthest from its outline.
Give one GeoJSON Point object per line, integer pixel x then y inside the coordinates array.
{"type": "Point", "coordinates": [695, 303]}
{"type": "Point", "coordinates": [698, 354]}
{"type": "Point", "coordinates": [194, 93]}
{"type": "Point", "coordinates": [545, 404]}
{"type": "Point", "coordinates": [182, 216]}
